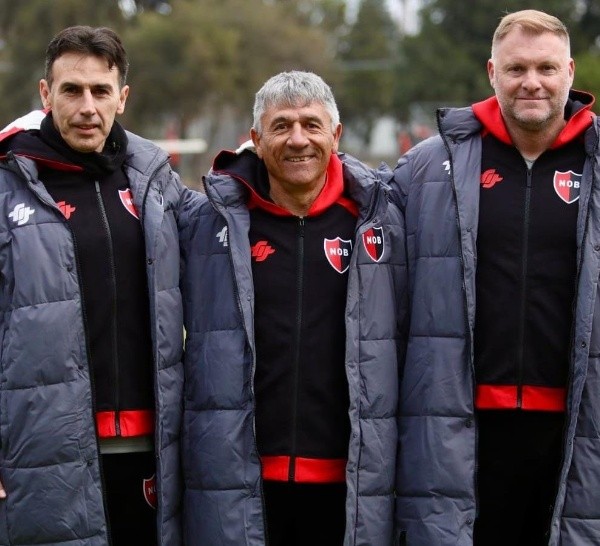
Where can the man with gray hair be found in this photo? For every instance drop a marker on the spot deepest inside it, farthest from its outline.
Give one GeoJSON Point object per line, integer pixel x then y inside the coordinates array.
{"type": "Point", "coordinates": [291, 274]}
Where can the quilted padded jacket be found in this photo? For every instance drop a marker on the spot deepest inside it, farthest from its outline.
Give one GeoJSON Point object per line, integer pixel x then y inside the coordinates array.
{"type": "Point", "coordinates": [437, 185]}
{"type": "Point", "coordinates": [223, 500]}
{"type": "Point", "coordinates": [49, 461]}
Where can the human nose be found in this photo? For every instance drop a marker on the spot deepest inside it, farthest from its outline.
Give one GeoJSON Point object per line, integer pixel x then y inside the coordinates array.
{"type": "Point", "coordinates": [88, 105]}
{"type": "Point", "coordinates": [297, 135]}
{"type": "Point", "coordinates": [531, 80]}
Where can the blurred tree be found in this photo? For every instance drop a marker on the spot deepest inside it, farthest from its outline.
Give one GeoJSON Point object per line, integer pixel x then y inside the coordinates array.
{"type": "Point", "coordinates": [367, 56]}
{"type": "Point", "coordinates": [25, 41]}
{"type": "Point", "coordinates": [587, 75]}
{"type": "Point", "coordinates": [267, 46]}
{"type": "Point", "coordinates": [178, 64]}
{"type": "Point", "coordinates": [207, 62]}
{"type": "Point", "coordinates": [446, 62]}
{"type": "Point", "coordinates": [587, 31]}
{"type": "Point", "coordinates": [205, 59]}
{"type": "Point", "coordinates": [200, 57]}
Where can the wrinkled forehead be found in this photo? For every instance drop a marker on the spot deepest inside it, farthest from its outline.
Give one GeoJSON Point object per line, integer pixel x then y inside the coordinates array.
{"type": "Point", "coordinates": [297, 110]}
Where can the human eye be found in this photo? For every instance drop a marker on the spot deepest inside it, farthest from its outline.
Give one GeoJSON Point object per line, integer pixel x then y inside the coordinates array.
{"type": "Point", "coordinates": [548, 69]}
{"type": "Point", "coordinates": [515, 69]}
{"type": "Point", "coordinates": [70, 90]}
{"type": "Point", "coordinates": [102, 91]}
{"type": "Point", "coordinates": [314, 125]}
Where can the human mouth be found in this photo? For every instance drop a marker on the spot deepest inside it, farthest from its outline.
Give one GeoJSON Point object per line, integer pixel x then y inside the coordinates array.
{"type": "Point", "coordinates": [532, 98]}
{"type": "Point", "coordinates": [85, 128]}
{"type": "Point", "coordinates": [299, 159]}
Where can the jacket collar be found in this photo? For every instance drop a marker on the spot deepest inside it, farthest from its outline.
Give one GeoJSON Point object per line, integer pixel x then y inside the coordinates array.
{"type": "Point", "coordinates": [577, 113]}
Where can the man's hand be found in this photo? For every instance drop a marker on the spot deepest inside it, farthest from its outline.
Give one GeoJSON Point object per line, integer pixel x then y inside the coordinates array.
{"type": "Point", "coordinates": [2, 491]}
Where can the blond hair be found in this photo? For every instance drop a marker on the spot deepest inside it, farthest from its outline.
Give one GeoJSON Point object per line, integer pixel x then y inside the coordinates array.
{"type": "Point", "coordinates": [532, 22]}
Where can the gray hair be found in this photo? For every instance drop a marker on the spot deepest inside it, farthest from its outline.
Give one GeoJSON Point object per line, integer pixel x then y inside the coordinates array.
{"type": "Point", "coordinates": [294, 88]}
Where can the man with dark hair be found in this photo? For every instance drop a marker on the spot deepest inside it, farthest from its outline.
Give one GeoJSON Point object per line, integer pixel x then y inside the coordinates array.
{"type": "Point", "coordinates": [90, 313]}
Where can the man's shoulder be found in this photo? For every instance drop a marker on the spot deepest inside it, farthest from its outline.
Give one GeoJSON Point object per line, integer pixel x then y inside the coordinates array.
{"type": "Point", "coordinates": [142, 153]}
{"type": "Point", "coordinates": [136, 141]}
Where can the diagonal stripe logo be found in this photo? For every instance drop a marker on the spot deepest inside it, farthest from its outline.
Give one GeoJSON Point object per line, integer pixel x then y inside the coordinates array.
{"type": "Point", "coordinates": [261, 251]}
{"type": "Point", "coordinates": [490, 178]}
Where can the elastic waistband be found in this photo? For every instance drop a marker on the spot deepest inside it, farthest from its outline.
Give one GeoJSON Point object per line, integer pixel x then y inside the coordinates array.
{"type": "Point", "coordinates": [125, 423]}
{"type": "Point", "coordinates": [283, 468]}
{"type": "Point", "coordinates": [526, 397]}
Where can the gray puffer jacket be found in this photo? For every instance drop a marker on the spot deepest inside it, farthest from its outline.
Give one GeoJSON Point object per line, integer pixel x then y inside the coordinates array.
{"type": "Point", "coordinates": [223, 501]}
{"type": "Point", "coordinates": [437, 186]}
{"type": "Point", "coordinates": [49, 460]}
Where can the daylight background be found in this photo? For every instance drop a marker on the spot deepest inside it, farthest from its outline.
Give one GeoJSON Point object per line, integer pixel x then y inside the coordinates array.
{"type": "Point", "coordinates": [196, 64]}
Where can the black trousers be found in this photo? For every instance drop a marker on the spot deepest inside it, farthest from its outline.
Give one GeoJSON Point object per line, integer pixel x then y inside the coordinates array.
{"type": "Point", "coordinates": [130, 491]}
{"type": "Point", "coordinates": [519, 458]}
{"type": "Point", "coordinates": [301, 514]}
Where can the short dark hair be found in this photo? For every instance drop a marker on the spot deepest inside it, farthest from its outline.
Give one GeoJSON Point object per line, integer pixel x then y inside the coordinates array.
{"type": "Point", "coordinates": [99, 41]}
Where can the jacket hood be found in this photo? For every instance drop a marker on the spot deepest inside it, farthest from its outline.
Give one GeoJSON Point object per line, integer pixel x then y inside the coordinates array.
{"type": "Point", "coordinates": [35, 136]}
{"type": "Point", "coordinates": [22, 138]}
{"type": "Point", "coordinates": [29, 121]}
{"type": "Point", "coordinates": [577, 113]}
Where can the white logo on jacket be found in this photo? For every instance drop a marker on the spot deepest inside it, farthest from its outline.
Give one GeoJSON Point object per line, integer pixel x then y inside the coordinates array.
{"type": "Point", "coordinates": [20, 214]}
{"type": "Point", "coordinates": [222, 236]}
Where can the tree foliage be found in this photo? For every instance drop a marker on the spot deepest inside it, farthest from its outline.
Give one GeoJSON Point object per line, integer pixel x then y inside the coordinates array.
{"type": "Point", "coordinates": [205, 59]}
{"type": "Point", "coordinates": [446, 62]}
{"type": "Point", "coordinates": [25, 39]}
{"type": "Point", "coordinates": [367, 57]}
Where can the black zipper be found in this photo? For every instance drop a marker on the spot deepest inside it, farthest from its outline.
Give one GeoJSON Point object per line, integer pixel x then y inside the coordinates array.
{"type": "Point", "coordinates": [522, 312]}
{"type": "Point", "coordinates": [297, 343]}
{"type": "Point", "coordinates": [113, 296]}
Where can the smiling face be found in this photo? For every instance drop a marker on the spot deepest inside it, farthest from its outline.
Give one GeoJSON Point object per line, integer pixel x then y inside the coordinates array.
{"type": "Point", "coordinates": [296, 143]}
{"type": "Point", "coordinates": [85, 97]}
{"type": "Point", "coordinates": [531, 75]}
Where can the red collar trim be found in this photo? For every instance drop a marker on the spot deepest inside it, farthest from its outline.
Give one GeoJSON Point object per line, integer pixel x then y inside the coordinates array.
{"type": "Point", "coordinates": [330, 194]}
{"type": "Point", "coordinates": [488, 113]}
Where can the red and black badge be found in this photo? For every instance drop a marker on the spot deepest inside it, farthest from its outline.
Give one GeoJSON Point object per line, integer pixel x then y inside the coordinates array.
{"type": "Point", "coordinates": [149, 487]}
{"type": "Point", "coordinates": [338, 253]}
{"type": "Point", "coordinates": [127, 200]}
{"type": "Point", "coordinates": [373, 243]}
{"type": "Point", "coordinates": [567, 186]}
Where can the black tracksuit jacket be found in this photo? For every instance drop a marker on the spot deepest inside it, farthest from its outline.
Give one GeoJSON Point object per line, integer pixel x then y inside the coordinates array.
{"type": "Point", "coordinates": [299, 267]}
{"type": "Point", "coordinates": [526, 265]}
{"type": "Point", "coordinates": [93, 194]}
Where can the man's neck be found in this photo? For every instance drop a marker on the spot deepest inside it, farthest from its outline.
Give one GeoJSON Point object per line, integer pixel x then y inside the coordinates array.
{"type": "Point", "coordinates": [532, 144]}
{"type": "Point", "coordinates": [297, 202]}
